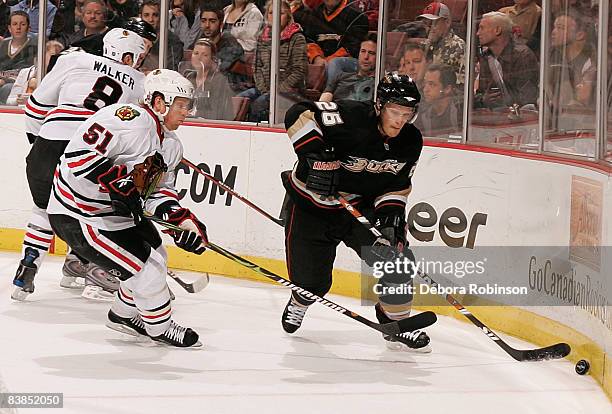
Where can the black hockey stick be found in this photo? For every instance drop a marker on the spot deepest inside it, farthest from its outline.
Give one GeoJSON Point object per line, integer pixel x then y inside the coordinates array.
{"type": "Point", "coordinates": [555, 351]}
{"type": "Point", "coordinates": [230, 190]}
{"type": "Point", "coordinates": [194, 287]}
{"type": "Point", "coordinates": [412, 323]}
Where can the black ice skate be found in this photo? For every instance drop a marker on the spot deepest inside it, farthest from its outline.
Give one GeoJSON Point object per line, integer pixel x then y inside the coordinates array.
{"type": "Point", "coordinates": [24, 278]}
{"type": "Point", "coordinates": [132, 326]}
{"type": "Point", "coordinates": [417, 340]}
{"type": "Point", "coordinates": [293, 315]}
{"type": "Point", "coordinates": [178, 336]}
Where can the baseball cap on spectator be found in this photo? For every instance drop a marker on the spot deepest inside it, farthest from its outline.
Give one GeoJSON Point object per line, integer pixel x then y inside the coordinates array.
{"type": "Point", "coordinates": [435, 11]}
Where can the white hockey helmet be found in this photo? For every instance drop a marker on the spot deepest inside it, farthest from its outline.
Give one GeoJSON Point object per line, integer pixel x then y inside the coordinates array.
{"type": "Point", "coordinates": [169, 84]}
{"type": "Point", "coordinates": [118, 42]}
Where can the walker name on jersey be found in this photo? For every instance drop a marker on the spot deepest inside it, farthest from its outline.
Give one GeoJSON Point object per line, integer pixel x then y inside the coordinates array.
{"type": "Point", "coordinates": [357, 164]}
{"type": "Point", "coordinates": [113, 73]}
{"type": "Point", "coordinates": [200, 187]}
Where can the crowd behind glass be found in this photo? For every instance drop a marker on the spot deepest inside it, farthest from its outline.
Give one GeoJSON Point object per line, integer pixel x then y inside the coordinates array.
{"type": "Point", "coordinates": [327, 51]}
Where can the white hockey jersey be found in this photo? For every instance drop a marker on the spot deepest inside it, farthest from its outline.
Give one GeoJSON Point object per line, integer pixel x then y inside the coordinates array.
{"type": "Point", "coordinates": [122, 134]}
{"type": "Point", "coordinates": [79, 85]}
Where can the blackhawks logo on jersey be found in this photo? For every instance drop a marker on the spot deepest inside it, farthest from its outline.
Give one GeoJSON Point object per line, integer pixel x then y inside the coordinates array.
{"type": "Point", "coordinates": [126, 113]}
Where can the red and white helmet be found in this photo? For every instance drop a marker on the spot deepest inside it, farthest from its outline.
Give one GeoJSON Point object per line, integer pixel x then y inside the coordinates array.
{"type": "Point", "coordinates": [118, 42]}
{"type": "Point", "coordinates": [169, 84]}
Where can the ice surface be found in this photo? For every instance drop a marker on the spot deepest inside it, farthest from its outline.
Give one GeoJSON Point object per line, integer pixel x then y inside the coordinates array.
{"type": "Point", "coordinates": [57, 342]}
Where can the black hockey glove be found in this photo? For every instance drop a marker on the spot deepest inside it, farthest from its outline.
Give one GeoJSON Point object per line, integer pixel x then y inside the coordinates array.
{"type": "Point", "coordinates": [393, 228]}
{"type": "Point", "coordinates": [392, 243]}
{"type": "Point", "coordinates": [125, 199]}
{"type": "Point", "coordinates": [323, 173]}
{"type": "Point", "coordinates": [193, 238]}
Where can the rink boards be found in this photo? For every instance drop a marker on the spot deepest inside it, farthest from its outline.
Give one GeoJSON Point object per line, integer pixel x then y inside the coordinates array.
{"type": "Point", "coordinates": [463, 197]}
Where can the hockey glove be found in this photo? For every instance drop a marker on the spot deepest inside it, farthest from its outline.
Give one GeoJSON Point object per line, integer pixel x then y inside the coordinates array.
{"type": "Point", "coordinates": [393, 228]}
{"type": "Point", "coordinates": [125, 199]}
{"type": "Point", "coordinates": [193, 238]}
{"type": "Point", "coordinates": [391, 244]}
{"type": "Point", "coordinates": [323, 173]}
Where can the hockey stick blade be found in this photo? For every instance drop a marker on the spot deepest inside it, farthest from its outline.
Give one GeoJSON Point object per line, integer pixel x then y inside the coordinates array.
{"type": "Point", "coordinates": [557, 351]}
{"type": "Point", "coordinates": [194, 287]}
{"type": "Point", "coordinates": [419, 321]}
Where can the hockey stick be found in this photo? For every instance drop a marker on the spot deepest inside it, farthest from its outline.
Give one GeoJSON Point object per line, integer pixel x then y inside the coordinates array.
{"type": "Point", "coordinates": [230, 190]}
{"type": "Point", "coordinates": [555, 351]}
{"type": "Point", "coordinates": [412, 323]}
{"type": "Point", "coordinates": [194, 287]}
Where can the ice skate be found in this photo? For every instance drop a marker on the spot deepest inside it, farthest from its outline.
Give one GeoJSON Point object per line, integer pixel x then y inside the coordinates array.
{"type": "Point", "coordinates": [24, 278]}
{"type": "Point", "coordinates": [418, 339]}
{"type": "Point", "coordinates": [100, 285]}
{"type": "Point", "coordinates": [73, 272]}
{"type": "Point", "coordinates": [293, 315]}
{"type": "Point", "coordinates": [133, 326]}
{"type": "Point", "coordinates": [178, 336]}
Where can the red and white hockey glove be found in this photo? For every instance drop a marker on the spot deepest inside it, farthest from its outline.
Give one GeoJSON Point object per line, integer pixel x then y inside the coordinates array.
{"type": "Point", "coordinates": [125, 198]}
{"type": "Point", "coordinates": [193, 238]}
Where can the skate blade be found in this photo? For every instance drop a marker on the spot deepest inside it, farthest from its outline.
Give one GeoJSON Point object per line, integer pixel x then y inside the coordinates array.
{"type": "Point", "coordinates": [400, 347]}
{"type": "Point", "coordinates": [71, 282]}
{"type": "Point", "coordinates": [127, 331]}
{"type": "Point", "coordinates": [19, 294]}
{"type": "Point", "coordinates": [98, 294]}
{"type": "Point", "coordinates": [197, 345]}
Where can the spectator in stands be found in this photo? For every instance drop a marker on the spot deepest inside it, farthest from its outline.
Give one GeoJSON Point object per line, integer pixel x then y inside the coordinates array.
{"type": "Point", "coordinates": [336, 30]}
{"type": "Point", "coordinates": [120, 12]}
{"type": "Point", "coordinates": [17, 51]}
{"type": "Point", "coordinates": [572, 61]}
{"type": "Point", "coordinates": [292, 63]}
{"type": "Point", "coordinates": [184, 21]}
{"type": "Point", "coordinates": [230, 54]}
{"type": "Point", "coordinates": [414, 63]}
{"type": "Point", "coordinates": [370, 9]}
{"type": "Point", "coordinates": [358, 86]}
{"type": "Point", "coordinates": [526, 15]}
{"type": "Point", "coordinates": [94, 21]}
{"type": "Point", "coordinates": [212, 95]}
{"type": "Point", "coordinates": [149, 12]}
{"type": "Point", "coordinates": [244, 21]}
{"type": "Point", "coordinates": [27, 81]}
{"type": "Point", "coordinates": [443, 114]}
{"type": "Point", "coordinates": [508, 71]}
{"type": "Point", "coordinates": [31, 7]}
{"type": "Point", "coordinates": [444, 45]}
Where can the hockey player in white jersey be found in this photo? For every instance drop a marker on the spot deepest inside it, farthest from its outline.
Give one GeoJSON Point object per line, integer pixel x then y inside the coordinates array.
{"type": "Point", "coordinates": [114, 162]}
{"type": "Point", "coordinates": [79, 85]}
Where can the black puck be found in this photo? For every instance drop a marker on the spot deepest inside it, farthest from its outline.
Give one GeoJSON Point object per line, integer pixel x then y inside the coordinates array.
{"type": "Point", "coordinates": [582, 367]}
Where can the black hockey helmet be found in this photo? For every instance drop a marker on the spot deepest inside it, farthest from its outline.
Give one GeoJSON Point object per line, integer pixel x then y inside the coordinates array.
{"type": "Point", "coordinates": [142, 28]}
{"type": "Point", "coordinates": [398, 89]}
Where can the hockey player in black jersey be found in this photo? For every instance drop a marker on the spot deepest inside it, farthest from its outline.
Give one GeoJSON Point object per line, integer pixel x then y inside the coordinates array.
{"type": "Point", "coordinates": [367, 152]}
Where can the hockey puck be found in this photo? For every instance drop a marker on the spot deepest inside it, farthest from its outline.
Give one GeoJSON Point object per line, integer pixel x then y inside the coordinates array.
{"type": "Point", "coordinates": [582, 367]}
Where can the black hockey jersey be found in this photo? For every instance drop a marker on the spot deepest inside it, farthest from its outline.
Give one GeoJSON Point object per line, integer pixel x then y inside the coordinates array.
{"type": "Point", "coordinates": [376, 170]}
